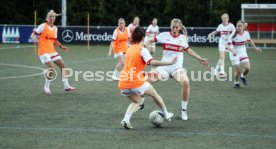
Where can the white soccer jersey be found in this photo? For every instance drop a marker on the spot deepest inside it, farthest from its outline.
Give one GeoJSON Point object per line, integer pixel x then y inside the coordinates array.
{"type": "Point", "coordinates": [225, 31]}
{"type": "Point", "coordinates": [173, 46]}
{"type": "Point", "coordinates": [131, 27]}
{"type": "Point", "coordinates": [146, 55]}
{"type": "Point", "coordinates": [152, 31]}
{"type": "Point", "coordinates": [239, 42]}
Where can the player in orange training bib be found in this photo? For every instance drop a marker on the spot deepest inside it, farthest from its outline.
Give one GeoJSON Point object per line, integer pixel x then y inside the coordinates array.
{"type": "Point", "coordinates": [119, 45]}
{"type": "Point", "coordinates": [46, 37]}
{"type": "Point", "coordinates": [132, 82]}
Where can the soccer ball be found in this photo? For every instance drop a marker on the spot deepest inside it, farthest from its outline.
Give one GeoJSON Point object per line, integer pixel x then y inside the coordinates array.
{"type": "Point", "coordinates": [156, 117]}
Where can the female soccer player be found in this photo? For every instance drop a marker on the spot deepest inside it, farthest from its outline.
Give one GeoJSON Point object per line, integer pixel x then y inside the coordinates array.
{"type": "Point", "coordinates": [47, 33]}
{"type": "Point", "coordinates": [119, 45]}
{"type": "Point", "coordinates": [134, 24]}
{"type": "Point", "coordinates": [174, 44]}
{"type": "Point", "coordinates": [239, 56]}
{"type": "Point", "coordinates": [226, 30]}
{"type": "Point", "coordinates": [152, 31]}
{"type": "Point", "coordinates": [132, 82]}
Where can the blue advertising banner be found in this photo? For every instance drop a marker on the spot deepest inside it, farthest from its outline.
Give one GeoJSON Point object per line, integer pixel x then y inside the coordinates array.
{"type": "Point", "coordinates": [15, 34]}
{"type": "Point", "coordinates": [97, 35]}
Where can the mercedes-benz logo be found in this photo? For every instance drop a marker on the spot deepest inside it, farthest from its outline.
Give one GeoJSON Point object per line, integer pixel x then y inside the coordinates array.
{"type": "Point", "coordinates": [67, 35]}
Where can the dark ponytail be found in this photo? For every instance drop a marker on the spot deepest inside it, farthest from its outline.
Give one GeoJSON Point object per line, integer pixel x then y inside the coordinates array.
{"type": "Point", "coordinates": [137, 35]}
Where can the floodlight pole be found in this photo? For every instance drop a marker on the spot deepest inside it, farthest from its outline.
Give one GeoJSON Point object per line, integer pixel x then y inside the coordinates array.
{"type": "Point", "coordinates": [242, 15]}
{"type": "Point", "coordinates": [64, 17]}
{"type": "Point", "coordinates": [211, 5]}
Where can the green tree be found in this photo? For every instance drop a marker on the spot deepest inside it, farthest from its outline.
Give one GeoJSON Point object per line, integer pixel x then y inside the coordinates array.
{"type": "Point", "coordinates": [106, 12]}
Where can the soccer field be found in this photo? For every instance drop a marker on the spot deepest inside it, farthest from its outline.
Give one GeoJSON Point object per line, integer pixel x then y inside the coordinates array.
{"type": "Point", "coordinates": [219, 115]}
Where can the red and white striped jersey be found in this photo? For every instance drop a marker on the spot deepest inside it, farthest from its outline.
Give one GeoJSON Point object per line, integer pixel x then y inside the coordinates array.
{"type": "Point", "coordinates": [225, 30]}
{"type": "Point", "coordinates": [152, 31]}
{"type": "Point", "coordinates": [239, 41]}
{"type": "Point", "coordinates": [173, 46]}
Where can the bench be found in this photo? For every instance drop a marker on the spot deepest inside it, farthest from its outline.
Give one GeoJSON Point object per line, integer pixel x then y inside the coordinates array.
{"type": "Point", "coordinates": [265, 42]}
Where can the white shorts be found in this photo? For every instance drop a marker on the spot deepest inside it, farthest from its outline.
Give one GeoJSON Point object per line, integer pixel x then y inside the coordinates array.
{"type": "Point", "coordinates": [118, 54]}
{"type": "Point", "coordinates": [51, 57]}
{"type": "Point", "coordinates": [222, 45]}
{"type": "Point", "coordinates": [167, 71]}
{"type": "Point", "coordinates": [140, 90]}
{"type": "Point", "coordinates": [239, 58]}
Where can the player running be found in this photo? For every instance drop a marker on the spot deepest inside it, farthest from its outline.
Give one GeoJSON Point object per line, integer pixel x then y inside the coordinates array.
{"type": "Point", "coordinates": [151, 32]}
{"type": "Point", "coordinates": [132, 82]}
{"type": "Point", "coordinates": [239, 55]}
{"type": "Point", "coordinates": [174, 44]}
{"type": "Point", "coordinates": [226, 30]}
{"type": "Point", "coordinates": [46, 37]}
{"type": "Point", "coordinates": [119, 44]}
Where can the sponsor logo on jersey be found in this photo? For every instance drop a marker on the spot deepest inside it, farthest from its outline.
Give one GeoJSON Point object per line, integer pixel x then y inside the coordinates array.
{"type": "Point", "coordinates": [172, 47]}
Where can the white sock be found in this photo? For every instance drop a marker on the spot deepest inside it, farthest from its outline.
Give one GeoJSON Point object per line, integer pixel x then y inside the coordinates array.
{"type": "Point", "coordinates": [164, 111]}
{"type": "Point", "coordinates": [47, 83]}
{"type": "Point", "coordinates": [184, 104]}
{"type": "Point", "coordinates": [236, 82]}
{"type": "Point", "coordinates": [65, 83]}
{"type": "Point", "coordinates": [115, 72]}
{"type": "Point", "coordinates": [127, 116]}
{"type": "Point", "coordinates": [242, 76]}
{"type": "Point", "coordinates": [217, 67]}
{"type": "Point", "coordinates": [222, 68]}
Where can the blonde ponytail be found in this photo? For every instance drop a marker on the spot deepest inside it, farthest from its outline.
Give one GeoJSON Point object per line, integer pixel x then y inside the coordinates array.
{"type": "Point", "coordinates": [183, 28]}
{"type": "Point", "coordinates": [52, 12]}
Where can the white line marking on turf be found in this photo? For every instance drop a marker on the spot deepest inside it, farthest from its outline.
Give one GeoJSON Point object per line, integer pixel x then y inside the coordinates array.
{"type": "Point", "coordinates": [37, 74]}
{"type": "Point", "coordinates": [16, 47]}
{"type": "Point", "coordinates": [22, 76]}
{"type": "Point", "coordinates": [70, 62]}
{"type": "Point", "coordinates": [164, 132]}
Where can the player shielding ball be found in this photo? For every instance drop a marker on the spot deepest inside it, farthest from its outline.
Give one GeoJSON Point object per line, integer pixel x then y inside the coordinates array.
{"type": "Point", "coordinates": [239, 55]}
{"type": "Point", "coordinates": [132, 82]}
{"type": "Point", "coordinates": [175, 44]}
{"type": "Point", "coordinates": [46, 37]}
{"type": "Point", "coordinates": [151, 32]}
{"type": "Point", "coordinates": [119, 45]}
{"type": "Point", "coordinates": [226, 30]}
